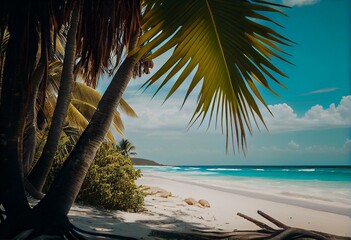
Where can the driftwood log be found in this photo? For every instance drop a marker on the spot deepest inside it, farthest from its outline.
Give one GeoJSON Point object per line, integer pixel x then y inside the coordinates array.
{"type": "Point", "coordinates": [265, 232]}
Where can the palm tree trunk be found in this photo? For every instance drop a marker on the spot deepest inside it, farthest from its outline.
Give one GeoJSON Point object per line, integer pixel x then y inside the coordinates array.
{"type": "Point", "coordinates": [31, 118]}
{"type": "Point", "coordinates": [18, 64]}
{"type": "Point", "coordinates": [38, 175]}
{"type": "Point", "coordinates": [67, 184]}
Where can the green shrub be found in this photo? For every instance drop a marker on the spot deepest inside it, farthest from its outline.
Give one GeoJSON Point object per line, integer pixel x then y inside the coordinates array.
{"type": "Point", "coordinates": [109, 182]}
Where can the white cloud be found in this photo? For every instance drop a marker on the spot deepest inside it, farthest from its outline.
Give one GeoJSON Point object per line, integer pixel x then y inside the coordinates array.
{"type": "Point", "coordinates": [293, 145]}
{"type": "Point", "coordinates": [156, 117]}
{"type": "Point", "coordinates": [347, 144]}
{"type": "Point", "coordinates": [285, 119]}
{"type": "Point", "coordinates": [322, 90]}
{"type": "Point", "coordinates": [168, 119]}
{"type": "Point", "coordinates": [299, 3]}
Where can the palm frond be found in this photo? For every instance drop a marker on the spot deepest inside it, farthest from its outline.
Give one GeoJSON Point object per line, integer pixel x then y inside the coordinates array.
{"type": "Point", "coordinates": [87, 110]}
{"type": "Point", "coordinates": [227, 48]}
{"type": "Point", "coordinates": [85, 99]}
{"type": "Point", "coordinates": [88, 94]}
{"type": "Point", "coordinates": [126, 108]}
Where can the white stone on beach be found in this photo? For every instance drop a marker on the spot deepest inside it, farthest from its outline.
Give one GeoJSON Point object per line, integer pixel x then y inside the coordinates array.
{"type": "Point", "coordinates": [204, 203]}
{"type": "Point", "coordinates": [165, 194]}
{"type": "Point", "coordinates": [191, 201]}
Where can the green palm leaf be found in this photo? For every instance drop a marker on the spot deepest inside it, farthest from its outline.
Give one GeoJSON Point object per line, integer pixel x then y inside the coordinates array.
{"type": "Point", "coordinates": [90, 95]}
{"type": "Point", "coordinates": [83, 103]}
{"type": "Point", "coordinates": [225, 46]}
{"type": "Point", "coordinates": [80, 113]}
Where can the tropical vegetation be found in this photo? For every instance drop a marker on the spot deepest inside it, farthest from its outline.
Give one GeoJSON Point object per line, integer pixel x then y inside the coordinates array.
{"type": "Point", "coordinates": [110, 182]}
{"type": "Point", "coordinates": [126, 147]}
{"type": "Point", "coordinates": [222, 46]}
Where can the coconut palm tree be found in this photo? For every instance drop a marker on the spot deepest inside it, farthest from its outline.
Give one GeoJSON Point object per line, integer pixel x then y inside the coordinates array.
{"type": "Point", "coordinates": [39, 174]}
{"type": "Point", "coordinates": [220, 41]}
{"type": "Point", "coordinates": [32, 26]}
{"type": "Point", "coordinates": [83, 103]}
{"type": "Point", "coordinates": [126, 147]}
{"type": "Point", "coordinates": [227, 67]}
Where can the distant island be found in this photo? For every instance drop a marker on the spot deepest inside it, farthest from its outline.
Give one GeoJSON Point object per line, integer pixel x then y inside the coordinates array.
{"type": "Point", "coordinates": [144, 162]}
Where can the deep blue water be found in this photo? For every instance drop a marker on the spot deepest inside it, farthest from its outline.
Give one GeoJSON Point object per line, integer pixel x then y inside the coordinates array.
{"type": "Point", "coordinates": [325, 173]}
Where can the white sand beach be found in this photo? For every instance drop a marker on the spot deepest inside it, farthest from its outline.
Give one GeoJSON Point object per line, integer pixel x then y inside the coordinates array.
{"type": "Point", "coordinates": [173, 213]}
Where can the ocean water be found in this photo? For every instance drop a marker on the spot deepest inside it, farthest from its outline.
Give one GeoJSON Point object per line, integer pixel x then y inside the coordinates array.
{"type": "Point", "coordinates": [303, 173]}
{"type": "Point", "coordinates": [328, 186]}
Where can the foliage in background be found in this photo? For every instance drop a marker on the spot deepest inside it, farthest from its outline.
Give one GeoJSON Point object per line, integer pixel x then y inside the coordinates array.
{"type": "Point", "coordinates": [110, 179]}
{"type": "Point", "coordinates": [68, 139]}
{"type": "Point", "coordinates": [84, 100]}
{"type": "Point", "coordinates": [126, 147]}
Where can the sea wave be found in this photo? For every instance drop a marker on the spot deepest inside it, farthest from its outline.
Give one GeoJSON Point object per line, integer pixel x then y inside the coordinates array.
{"type": "Point", "coordinates": [205, 173]}
{"type": "Point", "coordinates": [259, 169]}
{"type": "Point", "coordinates": [224, 169]}
{"type": "Point", "coordinates": [306, 170]}
{"type": "Point", "coordinates": [191, 168]}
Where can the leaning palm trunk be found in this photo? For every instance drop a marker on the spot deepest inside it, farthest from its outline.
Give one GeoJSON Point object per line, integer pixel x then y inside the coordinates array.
{"type": "Point", "coordinates": [38, 175]}
{"type": "Point", "coordinates": [66, 186]}
{"type": "Point", "coordinates": [31, 118]}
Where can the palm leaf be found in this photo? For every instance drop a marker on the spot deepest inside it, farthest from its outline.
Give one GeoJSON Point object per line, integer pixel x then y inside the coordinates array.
{"type": "Point", "coordinates": [87, 110]}
{"type": "Point", "coordinates": [90, 95]}
{"type": "Point", "coordinates": [226, 47]}
{"type": "Point", "coordinates": [84, 101]}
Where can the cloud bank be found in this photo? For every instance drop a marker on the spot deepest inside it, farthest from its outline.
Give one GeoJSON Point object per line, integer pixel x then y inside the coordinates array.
{"type": "Point", "coordinates": [161, 118]}
{"type": "Point", "coordinates": [285, 119]}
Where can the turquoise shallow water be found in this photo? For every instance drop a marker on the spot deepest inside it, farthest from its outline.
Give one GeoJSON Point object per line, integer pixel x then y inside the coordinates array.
{"type": "Point", "coordinates": [296, 173]}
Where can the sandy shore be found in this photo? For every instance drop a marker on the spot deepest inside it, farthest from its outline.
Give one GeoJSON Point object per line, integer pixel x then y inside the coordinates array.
{"type": "Point", "coordinates": [173, 213]}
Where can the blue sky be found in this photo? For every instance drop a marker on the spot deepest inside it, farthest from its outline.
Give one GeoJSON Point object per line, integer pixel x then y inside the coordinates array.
{"type": "Point", "coordinates": [312, 116]}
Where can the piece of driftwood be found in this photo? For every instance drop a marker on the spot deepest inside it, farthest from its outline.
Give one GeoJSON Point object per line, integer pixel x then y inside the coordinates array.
{"type": "Point", "coordinates": [265, 232]}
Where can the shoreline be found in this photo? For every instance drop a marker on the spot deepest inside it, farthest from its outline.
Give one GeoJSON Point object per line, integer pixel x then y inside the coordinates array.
{"type": "Point", "coordinates": [304, 203]}
{"type": "Point", "coordinates": [173, 214]}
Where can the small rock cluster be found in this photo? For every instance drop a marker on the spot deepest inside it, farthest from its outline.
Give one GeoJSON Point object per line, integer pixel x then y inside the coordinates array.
{"type": "Point", "coordinates": [200, 203]}
{"type": "Point", "coordinates": [156, 191]}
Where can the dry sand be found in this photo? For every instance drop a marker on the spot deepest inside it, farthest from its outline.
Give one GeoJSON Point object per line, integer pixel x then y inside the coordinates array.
{"type": "Point", "coordinates": [172, 213]}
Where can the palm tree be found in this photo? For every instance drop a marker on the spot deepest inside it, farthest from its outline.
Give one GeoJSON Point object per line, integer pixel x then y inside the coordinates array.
{"type": "Point", "coordinates": [223, 87]}
{"type": "Point", "coordinates": [126, 147]}
{"type": "Point", "coordinates": [35, 23]}
{"type": "Point", "coordinates": [39, 173]}
{"type": "Point", "coordinates": [221, 41]}
{"type": "Point", "coordinates": [84, 100]}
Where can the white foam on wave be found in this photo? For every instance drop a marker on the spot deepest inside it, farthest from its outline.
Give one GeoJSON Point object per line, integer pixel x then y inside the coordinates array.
{"type": "Point", "coordinates": [176, 168]}
{"type": "Point", "coordinates": [224, 169]}
{"type": "Point", "coordinates": [259, 169]}
{"type": "Point", "coordinates": [307, 170]}
{"type": "Point", "coordinates": [205, 173]}
{"type": "Point", "coordinates": [191, 168]}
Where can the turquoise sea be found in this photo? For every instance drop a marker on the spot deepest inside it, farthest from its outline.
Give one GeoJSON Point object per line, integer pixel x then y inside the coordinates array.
{"type": "Point", "coordinates": [303, 173]}
{"type": "Point", "coordinates": [325, 186]}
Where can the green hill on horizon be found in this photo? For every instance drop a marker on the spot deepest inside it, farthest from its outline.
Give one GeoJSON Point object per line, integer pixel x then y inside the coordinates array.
{"type": "Point", "coordinates": [144, 162]}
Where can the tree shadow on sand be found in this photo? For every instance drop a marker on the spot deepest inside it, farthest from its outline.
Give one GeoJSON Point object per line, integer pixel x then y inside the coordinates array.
{"type": "Point", "coordinates": [100, 224]}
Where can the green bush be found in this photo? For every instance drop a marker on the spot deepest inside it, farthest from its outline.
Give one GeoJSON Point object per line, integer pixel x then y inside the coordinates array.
{"type": "Point", "coordinates": [109, 182]}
